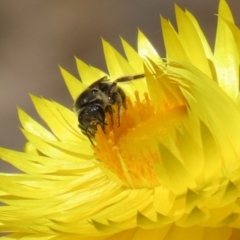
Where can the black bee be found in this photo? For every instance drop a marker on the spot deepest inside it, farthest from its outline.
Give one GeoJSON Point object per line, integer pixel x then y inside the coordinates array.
{"type": "Point", "coordinates": [97, 100]}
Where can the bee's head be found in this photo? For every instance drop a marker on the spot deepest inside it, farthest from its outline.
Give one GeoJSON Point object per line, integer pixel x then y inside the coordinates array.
{"type": "Point", "coordinates": [89, 117]}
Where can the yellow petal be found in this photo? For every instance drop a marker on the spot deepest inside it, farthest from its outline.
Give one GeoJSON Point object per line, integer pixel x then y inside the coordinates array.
{"type": "Point", "coordinates": [226, 57]}
{"type": "Point", "coordinates": [88, 73]}
{"type": "Point", "coordinates": [191, 41]}
{"type": "Point", "coordinates": [35, 128]}
{"type": "Point", "coordinates": [133, 58]}
{"type": "Point", "coordinates": [205, 44]}
{"type": "Point", "coordinates": [173, 45]}
{"type": "Point", "coordinates": [62, 121]}
{"type": "Point", "coordinates": [146, 50]}
{"type": "Point", "coordinates": [117, 65]}
{"type": "Point", "coordinates": [74, 86]}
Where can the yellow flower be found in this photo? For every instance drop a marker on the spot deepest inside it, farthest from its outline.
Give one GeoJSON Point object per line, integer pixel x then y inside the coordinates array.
{"type": "Point", "coordinates": [171, 170]}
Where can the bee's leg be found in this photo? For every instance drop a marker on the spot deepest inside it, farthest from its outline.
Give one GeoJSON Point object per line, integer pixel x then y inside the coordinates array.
{"type": "Point", "coordinates": [117, 99]}
{"type": "Point", "coordinates": [112, 89]}
{"type": "Point", "coordinates": [101, 123]}
{"type": "Point", "coordinates": [129, 78]}
{"type": "Point", "coordinates": [122, 96]}
{"type": "Point", "coordinates": [139, 76]}
{"type": "Point", "coordinates": [119, 104]}
{"type": "Point", "coordinates": [88, 133]}
{"type": "Point", "coordinates": [110, 111]}
{"type": "Point", "coordinates": [90, 139]}
{"type": "Point", "coordinates": [121, 92]}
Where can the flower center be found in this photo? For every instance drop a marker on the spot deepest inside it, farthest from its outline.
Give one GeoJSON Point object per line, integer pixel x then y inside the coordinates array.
{"type": "Point", "coordinates": [130, 150]}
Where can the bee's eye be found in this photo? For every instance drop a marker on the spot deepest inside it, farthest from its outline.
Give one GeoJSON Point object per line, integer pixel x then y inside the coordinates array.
{"type": "Point", "coordinates": [94, 91]}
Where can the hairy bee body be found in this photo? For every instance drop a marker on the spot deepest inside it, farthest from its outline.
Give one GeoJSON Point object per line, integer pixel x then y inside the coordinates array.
{"type": "Point", "coordinates": [97, 100]}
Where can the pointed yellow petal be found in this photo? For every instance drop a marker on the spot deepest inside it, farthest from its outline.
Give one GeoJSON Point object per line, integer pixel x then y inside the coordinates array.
{"type": "Point", "coordinates": [207, 49]}
{"type": "Point", "coordinates": [212, 107]}
{"type": "Point", "coordinates": [191, 41]}
{"type": "Point", "coordinates": [173, 45]}
{"type": "Point", "coordinates": [74, 86]}
{"type": "Point", "coordinates": [226, 57]}
{"type": "Point", "coordinates": [87, 73]}
{"type": "Point", "coordinates": [62, 121]}
{"type": "Point", "coordinates": [117, 65]}
{"type": "Point", "coordinates": [133, 58]}
{"type": "Point", "coordinates": [173, 174]}
{"type": "Point", "coordinates": [32, 126]}
{"type": "Point", "coordinates": [137, 63]}
{"type": "Point", "coordinates": [48, 148]}
{"type": "Point", "coordinates": [235, 31]}
{"type": "Point", "coordinates": [146, 50]}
